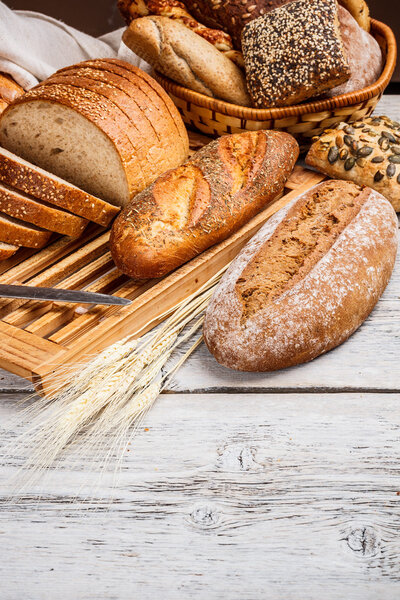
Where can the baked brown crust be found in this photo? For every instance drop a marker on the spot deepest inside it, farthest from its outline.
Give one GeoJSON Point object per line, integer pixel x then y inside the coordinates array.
{"type": "Point", "coordinates": [32, 180]}
{"type": "Point", "coordinates": [18, 233]}
{"type": "Point", "coordinates": [20, 206]}
{"type": "Point", "coordinates": [135, 9]}
{"type": "Point", "coordinates": [291, 295]}
{"type": "Point", "coordinates": [201, 203]}
{"type": "Point", "coordinates": [363, 53]}
{"type": "Point", "coordinates": [366, 152]}
{"type": "Point", "coordinates": [294, 53]}
{"type": "Point", "coordinates": [359, 10]}
{"type": "Point", "coordinates": [7, 250]}
{"type": "Point", "coordinates": [231, 15]}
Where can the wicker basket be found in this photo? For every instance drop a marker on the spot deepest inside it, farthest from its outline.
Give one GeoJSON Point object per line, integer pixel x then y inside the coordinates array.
{"type": "Point", "coordinates": [303, 121]}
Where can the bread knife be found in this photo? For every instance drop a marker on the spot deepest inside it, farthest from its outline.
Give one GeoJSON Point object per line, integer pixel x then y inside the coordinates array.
{"type": "Point", "coordinates": [57, 295]}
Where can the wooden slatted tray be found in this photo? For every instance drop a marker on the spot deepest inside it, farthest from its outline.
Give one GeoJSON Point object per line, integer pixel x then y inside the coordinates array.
{"type": "Point", "coordinates": [38, 337]}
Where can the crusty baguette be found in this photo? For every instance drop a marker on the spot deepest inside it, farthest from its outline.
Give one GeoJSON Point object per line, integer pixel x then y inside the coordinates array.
{"type": "Point", "coordinates": [185, 57]}
{"type": "Point", "coordinates": [7, 250]}
{"type": "Point", "coordinates": [306, 281]}
{"type": "Point", "coordinates": [22, 175]}
{"type": "Point", "coordinates": [84, 137]}
{"type": "Point", "coordinates": [16, 232]}
{"type": "Point", "coordinates": [26, 208]}
{"type": "Point", "coordinates": [190, 208]}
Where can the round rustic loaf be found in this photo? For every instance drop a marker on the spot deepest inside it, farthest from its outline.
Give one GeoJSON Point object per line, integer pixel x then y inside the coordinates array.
{"type": "Point", "coordinates": [96, 132]}
{"type": "Point", "coordinates": [306, 281]}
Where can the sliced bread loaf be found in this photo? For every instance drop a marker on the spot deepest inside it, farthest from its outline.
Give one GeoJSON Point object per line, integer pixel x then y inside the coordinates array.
{"type": "Point", "coordinates": [82, 135]}
{"type": "Point", "coordinates": [22, 175]}
{"type": "Point", "coordinates": [21, 206]}
{"type": "Point", "coordinates": [16, 232]}
{"type": "Point", "coordinates": [7, 250]}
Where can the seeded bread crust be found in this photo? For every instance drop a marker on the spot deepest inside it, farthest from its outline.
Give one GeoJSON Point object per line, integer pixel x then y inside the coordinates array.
{"type": "Point", "coordinates": [306, 281]}
{"type": "Point", "coordinates": [366, 152]}
{"type": "Point", "coordinates": [7, 250]}
{"type": "Point", "coordinates": [128, 96]}
{"type": "Point", "coordinates": [22, 175]}
{"type": "Point", "coordinates": [166, 115]}
{"type": "Point", "coordinates": [165, 100]}
{"type": "Point", "coordinates": [231, 15]}
{"type": "Point", "coordinates": [135, 9]}
{"type": "Point", "coordinates": [16, 232]}
{"type": "Point", "coordinates": [294, 53]}
{"type": "Point", "coordinates": [192, 207]}
{"type": "Point", "coordinates": [98, 111]}
{"type": "Point", "coordinates": [126, 113]}
{"type": "Point", "coordinates": [185, 57]}
{"type": "Point", "coordinates": [20, 206]}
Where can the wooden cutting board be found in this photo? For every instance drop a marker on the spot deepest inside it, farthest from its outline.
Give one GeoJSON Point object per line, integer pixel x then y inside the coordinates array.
{"type": "Point", "coordinates": [38, 337]}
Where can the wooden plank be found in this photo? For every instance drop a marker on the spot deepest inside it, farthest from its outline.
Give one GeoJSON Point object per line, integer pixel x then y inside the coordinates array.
{"type": "Point", "coordinates": [22, 352]}
{"type": "Point", "coordinates": [263, 496]}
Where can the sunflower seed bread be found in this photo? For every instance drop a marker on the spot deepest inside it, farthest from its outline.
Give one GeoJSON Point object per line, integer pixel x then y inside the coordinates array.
{"type": "Point", "coordinates": [306, 281]}
{"type": "Point", "coordinates": [366, 152]}
{"type": "Point", "coordinates": [293, 53]}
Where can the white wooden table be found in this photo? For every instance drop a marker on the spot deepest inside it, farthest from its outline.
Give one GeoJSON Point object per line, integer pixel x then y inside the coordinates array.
{"type": "Point", "coordinates": [280, 486]}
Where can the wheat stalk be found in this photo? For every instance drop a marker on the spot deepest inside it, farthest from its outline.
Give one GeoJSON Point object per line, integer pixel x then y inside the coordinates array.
{"type": "Point", "coordinates": [110, 395]}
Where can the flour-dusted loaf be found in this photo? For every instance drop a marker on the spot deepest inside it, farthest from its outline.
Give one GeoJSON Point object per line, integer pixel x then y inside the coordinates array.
{"type": "Point", "coordinates": [363, 53]}
{"type": "Point", "coordinates": [9, 89]}
{"type": "Point", "coordinates": [293, 53]}
{"type": "Point", "coordinates": [366, 152]}
{"type": "Point", "coordinates": [185, 57]}
{"type": "Point", "coordinates": [306, 281]}
{"type": "Point", "coordinates": [22, 175]}
{"type": "Point", "coordinates": [201, 203]}
{"type": "Point", "coordinates": [85, 137]}
{"type": "Point", "coordinates": [359, 10]}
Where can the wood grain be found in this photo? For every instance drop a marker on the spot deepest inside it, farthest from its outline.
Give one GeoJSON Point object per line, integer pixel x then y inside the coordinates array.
{"type": "Point", "coordinates": [228, 496]}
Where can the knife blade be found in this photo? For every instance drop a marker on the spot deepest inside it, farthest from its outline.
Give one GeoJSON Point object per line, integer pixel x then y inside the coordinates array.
{"type": "Point", "coordinates": [58, 295]}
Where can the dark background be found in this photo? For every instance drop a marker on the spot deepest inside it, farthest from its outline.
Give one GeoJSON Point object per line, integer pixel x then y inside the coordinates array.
{"type": "Point", "coordinates": [100, 16]}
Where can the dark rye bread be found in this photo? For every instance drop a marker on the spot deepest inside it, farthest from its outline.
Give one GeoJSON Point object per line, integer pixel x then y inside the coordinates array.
{"type": "Point", "coordinates": [231, 15]}
{"type": "Point", "coordinates": [293, 53]}
{"type": "Point", "coordinates": [21, 206]}
{"type": "Point", "coordinates": [26, 177]}
{"type": "Point", "coordinates": [201, 203]}
{"type": "Point", "coordinates": [306, 281]}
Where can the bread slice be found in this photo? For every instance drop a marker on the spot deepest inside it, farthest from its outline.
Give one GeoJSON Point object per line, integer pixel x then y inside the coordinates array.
{"type": "Point", "coordinates": [7, 250]}
{"type": "Point", "coordinates": [21, 206]}
{"type": "Point", "coordinates": [158, 105]}
{"type": "Point", "coordinates": [16, 232]}
{"type": "Point", "coordinates": [18, 173]}
{"type": "Point", "coordinates": [128, 92]}
{"type": "Point", "coordinates": [73, 134]}
{"type": "Point", "coordinates": [86, 137]}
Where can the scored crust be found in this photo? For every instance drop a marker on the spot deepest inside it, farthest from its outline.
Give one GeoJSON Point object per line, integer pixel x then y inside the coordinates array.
{"type": "Point", "coordinates": [328, 298]}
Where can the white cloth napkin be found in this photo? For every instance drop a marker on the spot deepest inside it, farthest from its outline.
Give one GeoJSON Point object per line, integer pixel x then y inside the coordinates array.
{"type": "Point", "coordinates": [33, 46]}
